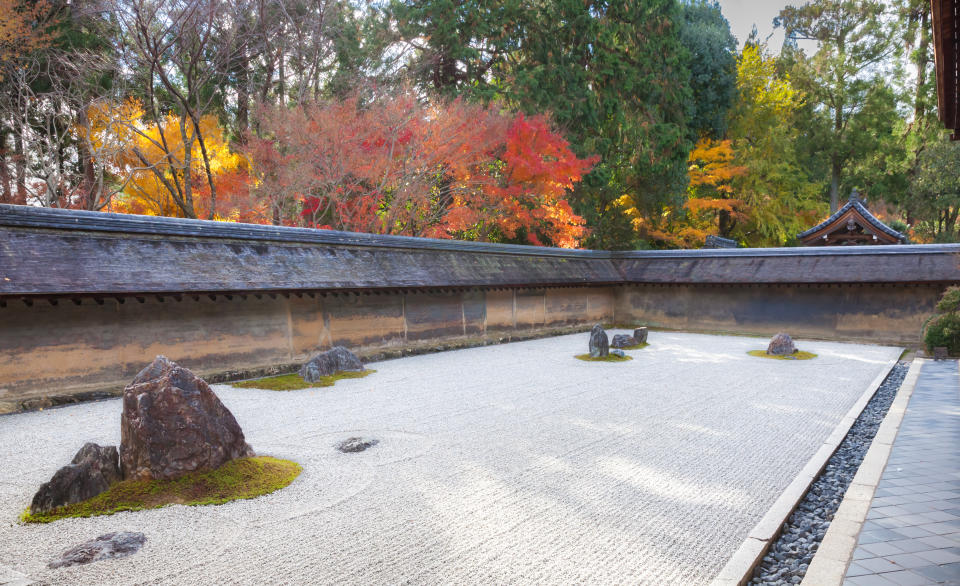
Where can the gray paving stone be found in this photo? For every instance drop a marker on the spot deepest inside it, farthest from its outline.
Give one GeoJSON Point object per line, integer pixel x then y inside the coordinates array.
{"type": "Point", "coordinates": [911, 545]}
{"type": "Point", "coordinates": [909, 561]}
{"type": "Point", "coordinates": [939, 556]}
{"type": "Point", "coordinates": [883, 549]}
{"type": "Point", "coordinates": [879, 565]}
{"type": "Point", "coordinates": [913, 527]}
{"type": "Point", "coordinates": [907, 578]}
{"type": "Point", "coordinates": [949, 574]}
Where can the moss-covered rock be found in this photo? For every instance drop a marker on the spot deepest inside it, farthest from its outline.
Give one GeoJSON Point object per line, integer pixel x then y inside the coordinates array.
{"type": "Point", "coordinates": [798, 355]}
{"type": "Point", "coordinates": [294, 382]}
{"type": "Point", "coordinates": [607, 358]}
{"type": "Point", "coordinates": [243, 478]}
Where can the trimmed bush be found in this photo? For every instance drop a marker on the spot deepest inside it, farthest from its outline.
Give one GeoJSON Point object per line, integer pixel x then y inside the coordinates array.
{"type": "Point", "coordinates": [943, 327]}
{"type": "Point", "coordinates": [943, 330]}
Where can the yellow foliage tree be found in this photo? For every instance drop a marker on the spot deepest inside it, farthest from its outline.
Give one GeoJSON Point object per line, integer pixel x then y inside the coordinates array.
{"type": "Point", "coordinates": [157, 167]}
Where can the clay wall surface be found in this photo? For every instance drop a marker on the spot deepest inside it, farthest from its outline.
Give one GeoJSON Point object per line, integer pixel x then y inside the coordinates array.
{"type": "Point", "coordinates": [69, 348]}
{"type": "Point", "coordinates": [871, 313]}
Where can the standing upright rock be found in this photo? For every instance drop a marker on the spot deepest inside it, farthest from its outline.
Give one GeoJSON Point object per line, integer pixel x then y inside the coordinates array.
{"type": "Point", "coordinates": [640, 335]}
{"type": "Point", "coordinates": [173, 423]}
{"type": "Point", "coordinates": [336, 359]}
{"type": "Point", "coordinates": [781, 345]}
{"type": "Point", "coordinates": [599, 343]}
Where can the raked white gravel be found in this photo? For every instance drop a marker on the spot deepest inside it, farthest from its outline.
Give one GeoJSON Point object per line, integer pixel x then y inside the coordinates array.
{"type": "Point", "coordinates": [511, 464]}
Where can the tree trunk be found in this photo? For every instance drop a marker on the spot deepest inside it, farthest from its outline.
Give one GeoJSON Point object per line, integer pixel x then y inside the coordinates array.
{"type": "Point", "coordinates": [243, 97]}
{"type": "Point", "coordinates": [4, 170]}
{"type": "Point", "coordinates": [89, 187]}
{"type": "Point", "coordinates": [21, 166]}
{"type": "Point", "coordinates": [834, 186]}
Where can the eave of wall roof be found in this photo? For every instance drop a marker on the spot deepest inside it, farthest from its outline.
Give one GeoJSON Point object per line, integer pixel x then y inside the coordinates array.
{"type": "Point", "coordinates": [62, 253]}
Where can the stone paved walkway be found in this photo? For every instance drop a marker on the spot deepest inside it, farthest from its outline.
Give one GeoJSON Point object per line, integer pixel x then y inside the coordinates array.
{"type": "Point", "coordinates": [912, 532]}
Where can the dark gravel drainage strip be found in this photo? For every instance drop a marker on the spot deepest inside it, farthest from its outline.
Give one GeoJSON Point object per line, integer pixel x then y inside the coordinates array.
{"type": "Point", "coordinates": [789, 556]}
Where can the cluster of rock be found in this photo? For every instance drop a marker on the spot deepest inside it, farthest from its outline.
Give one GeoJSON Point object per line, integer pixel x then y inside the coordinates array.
{"type": "Point", "coordinates": [172, 424]}
{"type": "Point", "coordinates": [600, 345]}
{"type": "Point", "coordinates": [624, 341]}
{"type": "Point", "coordinates": [337, 359]}
{"type": "Point", "coordinates": [781, 345]}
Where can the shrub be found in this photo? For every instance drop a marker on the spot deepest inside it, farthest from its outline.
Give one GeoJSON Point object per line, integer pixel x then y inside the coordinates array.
{"type": "Point", "coordinates": [943, 330]}
{"type": "Point", "coordinates": [950, 302]}
{"type": "Point", "coordinates": [943, 327]}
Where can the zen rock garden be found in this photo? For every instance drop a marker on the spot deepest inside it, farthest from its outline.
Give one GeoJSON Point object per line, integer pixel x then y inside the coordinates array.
{"type": "Point", "coordinates": [446, 445]}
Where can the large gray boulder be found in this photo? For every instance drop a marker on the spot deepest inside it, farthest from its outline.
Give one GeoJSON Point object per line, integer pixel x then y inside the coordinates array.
{"type": "Point", "coordinates": [334, 360]}
{"type": "Point", "coordinates": [622, 341]}
{"type": "Point", "coordinates": [781, 345]}
{"type": "Point", "coordinates": [173, 423]}
{"type": "Point", "coordinates": [105, 547]}
{"type": "Point", "coordinates": [640, 335]}
{"type": "Point", "coordinates": [91, 472]}
{"type": "Point", "coordinates": [599, 343]}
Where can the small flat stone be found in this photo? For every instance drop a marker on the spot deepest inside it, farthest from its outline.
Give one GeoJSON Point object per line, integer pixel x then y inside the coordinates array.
{"type": "Point", "coordinates": [105, 547]}
{"type": "Point", "coordinates": [352, 445]}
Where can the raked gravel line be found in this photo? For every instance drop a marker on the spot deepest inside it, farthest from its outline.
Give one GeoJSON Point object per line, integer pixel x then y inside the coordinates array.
{"type": "Point", "coordinates": [500, 464]}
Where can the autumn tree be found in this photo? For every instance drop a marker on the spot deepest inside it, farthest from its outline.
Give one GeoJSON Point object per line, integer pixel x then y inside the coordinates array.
{"type": "Point", "coordinates": [23, 29]}
{"type": "Point", "coordinates": [180, 52]}
{"type": "Point", "coordinates": [394, 165]}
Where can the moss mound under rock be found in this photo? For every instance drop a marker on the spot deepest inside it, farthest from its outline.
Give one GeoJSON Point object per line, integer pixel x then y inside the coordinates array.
{"type": "Point", "coordinates": [294, 382]}
{"type": "Point", "coordinates": [798, 355]}
{"type": "Point", "coordinates": [243, 478]}
{"type": "Point", "coordinates": [607, 358]}
{"type": "Point", "coordinates": [639, 346]}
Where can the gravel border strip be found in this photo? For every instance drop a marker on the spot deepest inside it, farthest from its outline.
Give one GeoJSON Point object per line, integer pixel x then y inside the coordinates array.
{"type": "Point", "coordinates": [750, 557]}
{"type": "Point", "coordinates": [829, 565]}
{"type": "Point", "coordinates": [789, 558]}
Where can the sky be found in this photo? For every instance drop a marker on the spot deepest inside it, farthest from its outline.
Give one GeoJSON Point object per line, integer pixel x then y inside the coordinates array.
{"type": "Point", "coordinates": [743, 14]}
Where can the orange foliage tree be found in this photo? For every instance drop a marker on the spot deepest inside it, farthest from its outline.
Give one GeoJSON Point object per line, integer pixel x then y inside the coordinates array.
{"type": "Point", "coordinates": [709, 205]}
{"type": "Point", "coordinates": [22, 28]}
{"type": "Point", "coordinates": [393, 165]}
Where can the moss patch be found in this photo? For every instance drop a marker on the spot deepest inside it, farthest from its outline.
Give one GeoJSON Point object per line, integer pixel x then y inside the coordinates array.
{"type": "Point", "coordinates": [244, 478]}
{"type": "Point", "coordinates": [639, 346]}
{"type": "Point", "coordinates": [294, 382]}
{"type": "Point", "coordinates": [798, 355]}
{"type": "Point", "coordinates": [607, 358]}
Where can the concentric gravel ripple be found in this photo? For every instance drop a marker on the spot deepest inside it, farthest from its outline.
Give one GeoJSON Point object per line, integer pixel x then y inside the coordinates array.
{"type": "Point", "coordinates": [788, 559]}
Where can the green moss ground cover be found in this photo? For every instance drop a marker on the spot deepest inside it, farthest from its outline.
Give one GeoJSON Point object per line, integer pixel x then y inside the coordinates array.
{"type": "Point", "coordinates": [799, 355]}
{"type": "Point", "coordinates": [639, 346]}
{"type": "Point", "coordinates": [607, 358]}
{"type": "Point", "coordinates": [244, 478]}
{"type": "Point", "coordinates": [294, 382]}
